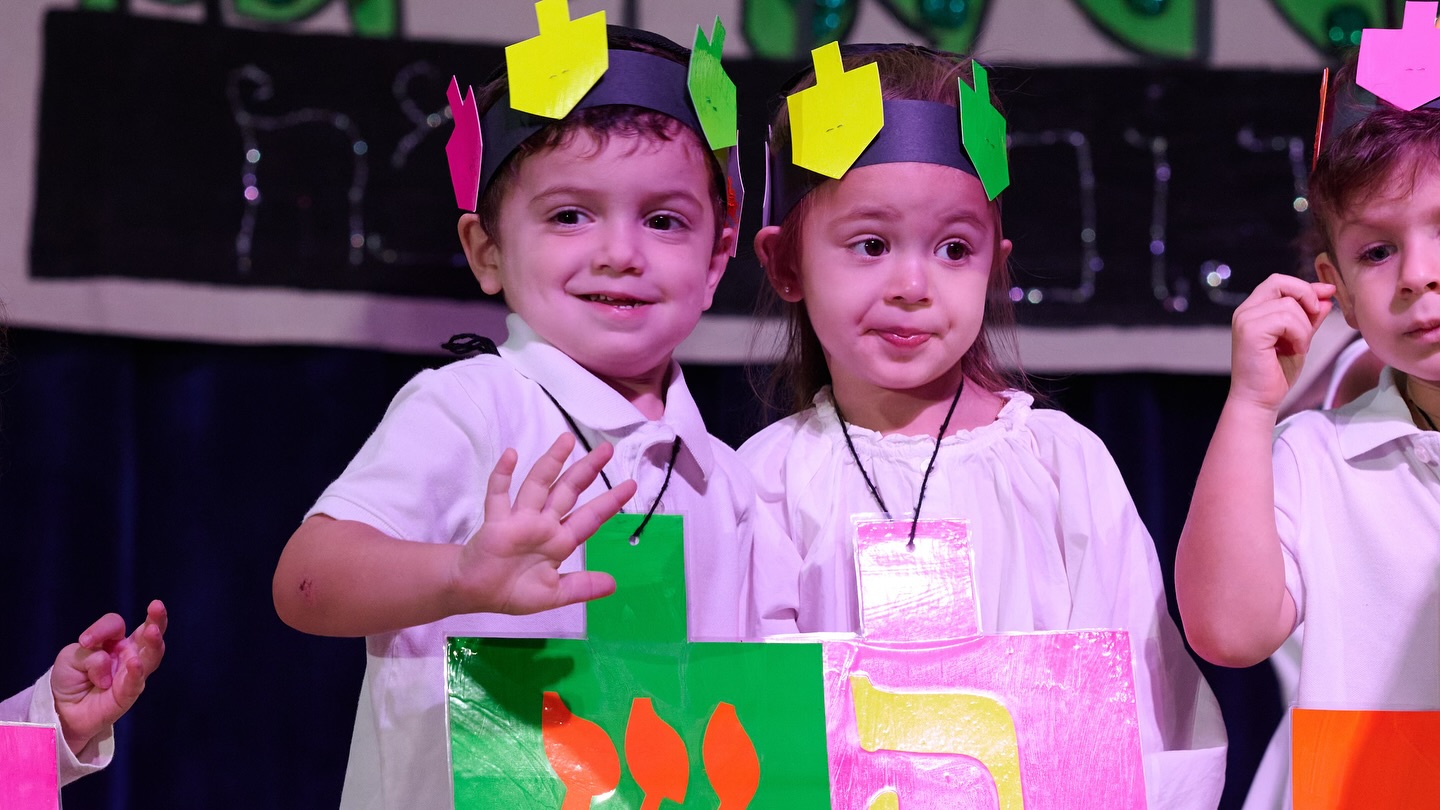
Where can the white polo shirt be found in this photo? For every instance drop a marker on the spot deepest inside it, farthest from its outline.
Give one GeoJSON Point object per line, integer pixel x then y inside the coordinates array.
{"type": "Point", "coordinates": [1357, 505]}
{"type": "Point", "coordinates": [422, 477]}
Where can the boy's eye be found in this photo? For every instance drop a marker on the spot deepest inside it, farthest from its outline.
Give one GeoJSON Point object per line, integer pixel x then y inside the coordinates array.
{"type": "Point", "coordinates": [870, 247]}
{"type": "Point", "coordinates": [1376, 254]}
{"type": "Point", "coordinates": [954, 251]}
{"type": "Point", "coordinates": [569, 216]}
{"type": "Point", "coordinates": [662, 222]}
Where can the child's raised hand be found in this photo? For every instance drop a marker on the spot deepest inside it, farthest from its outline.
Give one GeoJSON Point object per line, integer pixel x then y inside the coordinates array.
{"type": "Point", "coordinates": [511, 565]}
{"type": "Point", "coordinates": [1271, 333]}
{"type": "Point", "coordinates": [98, 679]}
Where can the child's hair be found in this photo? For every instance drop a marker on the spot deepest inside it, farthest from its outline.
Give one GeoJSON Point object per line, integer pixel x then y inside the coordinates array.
{"type": "Point", "coordinates": [1355, 164]}
{"type": "Point", "coordinates": [908, 72]}
{"type": "Point", "coordinates": [600, 123]}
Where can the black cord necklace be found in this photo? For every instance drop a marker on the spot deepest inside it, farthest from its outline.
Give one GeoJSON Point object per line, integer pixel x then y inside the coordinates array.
{"type": "Point", "coordinates": [1410, 401]}
{"type": "Point", "coordinates": [664, 485]}
{"type": "Point", "coordinates": [929, 468]}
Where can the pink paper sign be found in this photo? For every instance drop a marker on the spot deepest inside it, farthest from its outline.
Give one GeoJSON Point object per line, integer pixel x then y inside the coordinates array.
{"type": "Point", "coordinates": [919, 591]}
{"type": "Point", "coordinates": [1402, 65]}
{"type": "Point", "coordinates": [923, 711]}
{"type": "Point", "coordinates": [29, 771]}
{"type": "Point", "coordinates": [983, 721]}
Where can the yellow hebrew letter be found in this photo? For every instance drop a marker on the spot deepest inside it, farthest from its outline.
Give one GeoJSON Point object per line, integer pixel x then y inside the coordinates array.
{"type": "Point", "coordinates": [974, 725]}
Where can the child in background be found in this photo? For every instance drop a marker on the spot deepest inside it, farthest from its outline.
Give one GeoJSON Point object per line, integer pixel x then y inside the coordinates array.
{"type": "Point", "coordinates": [606, 231]}
{"type": "Point", "coordinates": [92, 684]}
{"type": "Point", "coordinates": [896, 281]}
{"type": "Point", "coordinates": [1332, 519]}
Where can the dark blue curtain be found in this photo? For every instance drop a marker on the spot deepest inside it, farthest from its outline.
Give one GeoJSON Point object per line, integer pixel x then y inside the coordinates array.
{"type": "Point", "coordinates": [137, 469]}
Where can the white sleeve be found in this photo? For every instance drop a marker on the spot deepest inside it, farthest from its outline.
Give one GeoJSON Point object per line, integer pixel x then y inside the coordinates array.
{"type": "Point", "coordinates": [1116, 582]}
{"type": "Point", "coordinates": [422, 474]}
{"type": "Point", "coordinates": [37, 705]}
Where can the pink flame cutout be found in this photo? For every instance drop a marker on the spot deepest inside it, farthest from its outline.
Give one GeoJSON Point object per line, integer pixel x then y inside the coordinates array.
{"type": "Point", "coordinates": [464, 147]}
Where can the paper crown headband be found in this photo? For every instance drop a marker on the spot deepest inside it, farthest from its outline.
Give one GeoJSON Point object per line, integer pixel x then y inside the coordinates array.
{"type": "Point", "coordinates": [842, 122]}
{"type": "Point", "coordinates": [1398, 66]}
{"type": "Point", "coordinates": [569, 67]}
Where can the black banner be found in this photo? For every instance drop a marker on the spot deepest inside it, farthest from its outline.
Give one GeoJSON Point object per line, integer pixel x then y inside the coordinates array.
{"type": "Point", "coordinates": [172, 151]}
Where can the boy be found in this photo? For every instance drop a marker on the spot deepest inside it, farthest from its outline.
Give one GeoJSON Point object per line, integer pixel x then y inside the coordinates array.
{"type": "Point", "coordinates": [1337, 525]}
{"type": "Point", "coordinates": [606, 232]}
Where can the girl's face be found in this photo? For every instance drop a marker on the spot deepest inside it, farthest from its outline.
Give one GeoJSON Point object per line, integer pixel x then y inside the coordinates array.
{"type": "Point", "coordinates": [893, 267]}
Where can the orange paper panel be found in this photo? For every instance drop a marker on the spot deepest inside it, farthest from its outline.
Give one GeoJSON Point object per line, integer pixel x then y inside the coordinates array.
{"type": "Point", "coordinates": [1347, 759]}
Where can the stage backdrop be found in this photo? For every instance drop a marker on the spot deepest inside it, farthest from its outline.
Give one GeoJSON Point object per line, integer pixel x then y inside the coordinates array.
{"type": "Point", "coordinates": [272, 171]}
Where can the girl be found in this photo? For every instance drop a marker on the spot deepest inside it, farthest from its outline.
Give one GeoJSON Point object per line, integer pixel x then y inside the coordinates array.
{"type": "Point", "coordinates": [895, 281]}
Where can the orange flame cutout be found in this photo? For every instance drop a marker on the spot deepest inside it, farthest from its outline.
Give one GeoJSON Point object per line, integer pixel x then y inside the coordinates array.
{"type": "Point", "coordinates": [580, 752]}
{"type": "Point", "coordinates": [656, 756]}
{"type": "Point", "coordinates": [730, 759]}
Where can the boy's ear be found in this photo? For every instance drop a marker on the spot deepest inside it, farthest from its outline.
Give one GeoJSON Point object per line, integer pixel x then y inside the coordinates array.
{"type": "Point", "coordinates": [719, 260]}
{"type": "Point", "coordinates": [785, 280]}
{"type": "Point", "coordinates": [1330, 274]}
{"type": "Point", "coordinates": [482, 252]}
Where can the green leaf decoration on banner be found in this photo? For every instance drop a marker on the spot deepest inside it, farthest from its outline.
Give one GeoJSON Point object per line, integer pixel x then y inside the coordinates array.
{"type": "Point", "coordinates": [370, 18]}
{"type": "Point", "coordinates": [1333, 26]}
{"type": "Point", "coordinates": [1167, 29]}
{"type": "Point", "coordinates": [772, 27]}
{"type": "Point", "coordinates": [948, 24]}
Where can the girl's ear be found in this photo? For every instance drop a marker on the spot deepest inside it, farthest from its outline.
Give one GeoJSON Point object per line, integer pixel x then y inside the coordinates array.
{"type": "Point", "coordinates": [482, 252]}
{"type": "Point", "coordinates": [785, 279]}
{"type": "Point", "coordinates": [1330, 274]}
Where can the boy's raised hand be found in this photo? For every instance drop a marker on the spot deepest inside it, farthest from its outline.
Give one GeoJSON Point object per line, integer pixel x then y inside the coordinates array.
{"type": "Point", "coordinates": [98, 679]}
{"type": "Point", "coordinates": [511, 565]}
{"type": "Point", "coordinates": [1271, 333]}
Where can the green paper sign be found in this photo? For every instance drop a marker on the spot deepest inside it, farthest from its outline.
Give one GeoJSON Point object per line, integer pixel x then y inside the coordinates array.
{"type": "Point", "coordinates": [982, 129]}
{"type": "Point", "coordinates": [617, 692]}
{"type": "Point", "coordinates": [711, 89]}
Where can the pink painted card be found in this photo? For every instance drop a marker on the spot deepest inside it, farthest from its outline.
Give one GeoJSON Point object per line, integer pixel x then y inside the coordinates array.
{"type": "Point", "coordinates": [29, 770]}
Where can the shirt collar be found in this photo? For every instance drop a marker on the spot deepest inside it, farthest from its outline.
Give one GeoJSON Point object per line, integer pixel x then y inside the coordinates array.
{"type": "Point", "coordinates": [1379, 417]}
{"type": "Point", "coordinates": [595, 404]}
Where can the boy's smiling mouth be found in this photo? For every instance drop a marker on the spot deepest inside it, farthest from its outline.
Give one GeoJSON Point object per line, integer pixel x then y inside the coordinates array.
{"type": "Point", "coordinates": [621, 301]}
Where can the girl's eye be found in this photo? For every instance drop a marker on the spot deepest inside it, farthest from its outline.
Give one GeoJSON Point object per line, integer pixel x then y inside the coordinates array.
{"type": "Point", "coordinates": [662, 222]}
{"type": "Point", "coordinates": [1376, 254]}
{"type": "Point", "coordinates": [569, 216]}
{"type": "Point", "coordinates": [954, 251]}
{"type": "Point", "coordinates": [870, 247]}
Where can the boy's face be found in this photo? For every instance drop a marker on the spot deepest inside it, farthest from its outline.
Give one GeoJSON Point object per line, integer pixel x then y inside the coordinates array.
{"type": "Point", "coordinates": [1386, 270]}
{"type": "Point", "coordinates": [608, 253]}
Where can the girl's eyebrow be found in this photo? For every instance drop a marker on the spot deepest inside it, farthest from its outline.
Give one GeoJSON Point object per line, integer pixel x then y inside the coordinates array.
{"type": "Point", "coordinates": [882, 213]}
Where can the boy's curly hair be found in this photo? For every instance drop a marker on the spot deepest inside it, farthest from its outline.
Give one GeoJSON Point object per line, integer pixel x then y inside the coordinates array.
{"type": "Point", "coordinates": [1362, 161]}
{"type": "Point", "coordinates": [599, 123]}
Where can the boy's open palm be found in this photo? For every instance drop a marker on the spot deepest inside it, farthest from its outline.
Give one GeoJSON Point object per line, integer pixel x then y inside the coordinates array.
{"type": "Point", "coordinates": [511, 565]}
{"type": "Point", "coordinates": [1271, 333]}
{"type": "Point", "coordinates": [98, 679]}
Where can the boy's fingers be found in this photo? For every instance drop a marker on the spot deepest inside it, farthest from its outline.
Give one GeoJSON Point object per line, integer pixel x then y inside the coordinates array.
{"type": "Point", "coordinates": [96, 666]}
{"type": "Point", "coordinates": [106, 629]}
{"type": "Point", "coordinates": [575, 480]}
{"type": "Point", "coordinates": [535, 489]}
{"type": "Point", "coordinates": [157, 616]}
{"type": "Point", "coordinates": [582, 586]}
{"type": "Point", "coordinates": [584, 521]}
{"type": "Point", "coordinates": [497, 489]}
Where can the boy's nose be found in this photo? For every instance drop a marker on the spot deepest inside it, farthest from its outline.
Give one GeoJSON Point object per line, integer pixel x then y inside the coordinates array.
{"type": "Point", "coordinates": [619, 250]}
{"type": "Point", "coordinates": [1420, 272]}
{"type": "Point", "coordinates": [908, 282]}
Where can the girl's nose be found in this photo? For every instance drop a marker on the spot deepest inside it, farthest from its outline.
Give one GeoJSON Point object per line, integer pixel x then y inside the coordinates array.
{"type": "Point", "coordinates": [908, 282]}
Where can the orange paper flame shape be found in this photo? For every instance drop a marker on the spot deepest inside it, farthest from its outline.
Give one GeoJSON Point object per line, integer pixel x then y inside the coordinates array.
{"type": "Point", "coordinates": [730, 759]}
{"type": "Point", "coordinates": [656, 756]}
{"type": "Point", "coordinates": [580, 752]}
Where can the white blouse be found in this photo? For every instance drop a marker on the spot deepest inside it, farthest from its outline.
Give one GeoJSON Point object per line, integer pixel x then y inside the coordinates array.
{"type": "Point", "coordinates": [1056, 540]}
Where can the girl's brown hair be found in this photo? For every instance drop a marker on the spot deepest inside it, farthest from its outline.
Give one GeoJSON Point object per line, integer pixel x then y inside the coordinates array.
{"type": "Point", "coordinates": [907, 72]}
